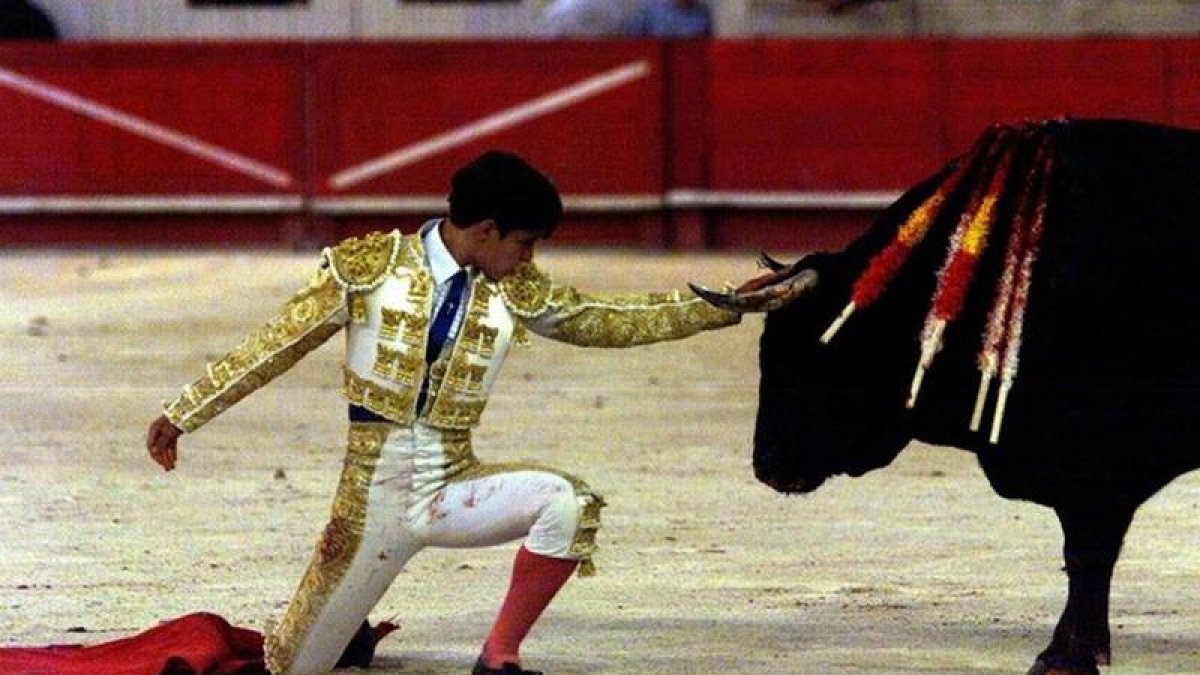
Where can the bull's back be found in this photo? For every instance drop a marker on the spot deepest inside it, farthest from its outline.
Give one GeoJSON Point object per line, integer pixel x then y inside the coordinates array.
{"type": "Point", "coordinates": [1118, 276]}
{"type": "Point", "coordinates": [1108, 392]}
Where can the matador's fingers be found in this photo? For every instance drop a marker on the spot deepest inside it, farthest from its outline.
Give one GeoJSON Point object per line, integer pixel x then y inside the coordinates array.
{"type": "Point", "coordinates": [170, 456]}
{"type": "Point", "coordinates": [162, 443]}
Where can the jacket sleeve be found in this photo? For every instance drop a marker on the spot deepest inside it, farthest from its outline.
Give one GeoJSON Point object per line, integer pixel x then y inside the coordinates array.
{"type": "Point", "coordinates": [306, 321]}
{"type": "Point", "coordinates": [562, 313]}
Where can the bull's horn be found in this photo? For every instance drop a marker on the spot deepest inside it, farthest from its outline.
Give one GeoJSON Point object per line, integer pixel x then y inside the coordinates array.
{"type": "Point", "coordinates": [767, 299]}
{"type": "Point", "coordinates": [767, 262]}
{"type": "Point", "coordinates": [722, 299]}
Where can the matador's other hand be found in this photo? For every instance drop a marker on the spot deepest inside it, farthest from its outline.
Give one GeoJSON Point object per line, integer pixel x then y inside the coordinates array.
{"type": "Point", "coordinates": [162, 442]}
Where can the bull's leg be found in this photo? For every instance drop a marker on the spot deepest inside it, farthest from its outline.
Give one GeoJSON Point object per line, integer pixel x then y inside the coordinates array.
{"type": "Point", "coordinates": [1092, 540]}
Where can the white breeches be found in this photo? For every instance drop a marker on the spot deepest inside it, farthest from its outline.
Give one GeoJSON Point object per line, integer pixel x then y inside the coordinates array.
{"type": "Point", "coordinates": [403, 489]}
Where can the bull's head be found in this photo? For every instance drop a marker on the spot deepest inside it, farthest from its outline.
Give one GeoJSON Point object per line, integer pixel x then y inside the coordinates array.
{"type": "Point", "coordinates": [823, 409]}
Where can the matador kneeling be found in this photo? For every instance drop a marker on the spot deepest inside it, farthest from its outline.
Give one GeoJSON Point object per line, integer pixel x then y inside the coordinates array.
{"type": "Point", "coordinates": [429, 318]}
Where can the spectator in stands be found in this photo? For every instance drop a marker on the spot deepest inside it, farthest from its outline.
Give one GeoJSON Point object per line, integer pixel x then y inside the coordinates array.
{"type": "Point", "coordinates": [844, 6]}
{"type": "Point", "coordinates": [627, 18]}
{"type": "Point", "coordinates": [670, 19]}
{"type": "Point", "coordinates": [21, 20]}
{"type": "Point", "coordinates": [585, 18]}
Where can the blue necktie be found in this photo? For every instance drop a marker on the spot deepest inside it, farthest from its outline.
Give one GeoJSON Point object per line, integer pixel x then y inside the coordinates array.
{"type": "Point", "coordinates": [440, 329]}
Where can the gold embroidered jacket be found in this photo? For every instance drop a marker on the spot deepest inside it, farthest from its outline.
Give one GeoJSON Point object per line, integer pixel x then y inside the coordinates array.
{"type": "Point", "coordinates": [380, 289]}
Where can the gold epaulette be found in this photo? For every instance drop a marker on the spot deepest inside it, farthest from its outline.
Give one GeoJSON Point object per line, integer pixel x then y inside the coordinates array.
{"type": "Point", "coordinates": [361, 264]}
{"type": "Point", "coordinates": [526, 291]}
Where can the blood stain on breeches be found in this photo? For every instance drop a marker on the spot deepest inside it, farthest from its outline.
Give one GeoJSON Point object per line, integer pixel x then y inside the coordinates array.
{"type": "Point", "coordinates": [489, 488]}
{"type": "Point", "coordinates": [555, 486]}
{"type": "Point", "coordinates": [435, 511]}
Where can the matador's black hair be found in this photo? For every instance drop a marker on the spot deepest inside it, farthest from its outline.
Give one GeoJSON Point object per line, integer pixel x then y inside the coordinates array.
{"type": "Point", "coordinates": [502, 186]}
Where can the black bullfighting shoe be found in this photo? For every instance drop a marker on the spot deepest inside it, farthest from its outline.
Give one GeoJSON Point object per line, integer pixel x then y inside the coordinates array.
{"type": "Point", "coordinates": [361, 650]}
{"type": "Point", "coordinates": [506, 669]}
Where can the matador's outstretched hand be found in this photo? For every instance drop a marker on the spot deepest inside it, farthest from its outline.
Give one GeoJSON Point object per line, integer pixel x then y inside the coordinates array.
{"type": "Point", "coordinates": [162, 442]}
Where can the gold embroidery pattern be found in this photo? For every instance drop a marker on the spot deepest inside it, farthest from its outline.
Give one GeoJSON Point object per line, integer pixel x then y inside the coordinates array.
{"type": "Point", "coordinates": [421, 290]}
{"type": "Point", "coordinates": [358, 308]}
{"type": "Point", "coordinates": [456, 414]}
{"type": "Point", "coordinates": [308, 319]}
{"type": "Point", "coordinates": [412, 253]}
{"type": "Point", "coordinates": [583, 548]}
{"type": "Point", "coordinates": [477, 307]}
{"type": "Point", "coordinates": [629, 320]}
{"type": "Point", "coordinates": [416, 330]}
{"type": "Point", "coordinates": [466, 378]}
{"type": "Point", "coordinates": [460, 457]}
{"type": "Point", "coordinates": [362, 264]}
{"type": "Point", "coordinates": [403, 367]}
{"type": "Point", "coordinates": [336, 549]}
{"type": "Point", "coordinates": [397, 406]}
{"type": "Point", "coordinates": [478, 338]}
{"type": "Point", "coordinates": [449, 378]}
{"type": "Point", "coordinates": [526, 291]}
{"type": "Point", "coordinates": [437, 372]}
{"type": "Point", "coordinates": [409, 327]}
{"type": "Point", "coordinates": [481, 293]}
{"type": "Point", "coordinates": [458, 383]}
{"type": "Point", "coordinates": [457, 448]}
{"type": "Point", "coordinates": [520, 334]}
{"type": "Point", "coordinates": [389, 325]}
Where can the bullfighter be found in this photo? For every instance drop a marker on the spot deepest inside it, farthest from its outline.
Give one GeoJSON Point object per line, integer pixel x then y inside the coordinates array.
{"type": "Point", "coordinates": [429, 318]}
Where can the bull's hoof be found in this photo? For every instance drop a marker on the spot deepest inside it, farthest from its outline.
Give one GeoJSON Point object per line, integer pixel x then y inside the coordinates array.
{"type": "Point", "coordinates": [1060, 667]}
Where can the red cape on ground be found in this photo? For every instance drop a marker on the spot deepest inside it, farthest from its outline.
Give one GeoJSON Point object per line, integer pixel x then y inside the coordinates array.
{"type": "Point", "coordinates": [194, 644]}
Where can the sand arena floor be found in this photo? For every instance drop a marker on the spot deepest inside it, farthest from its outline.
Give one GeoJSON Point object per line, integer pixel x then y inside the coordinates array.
{"type": "Point", "coordinates": [918, 568]}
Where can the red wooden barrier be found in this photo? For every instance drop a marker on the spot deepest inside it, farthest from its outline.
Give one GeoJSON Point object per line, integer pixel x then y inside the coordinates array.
{"type": "Point", "coordinates": [165, 119]}
{"type": "Point", "coordinates": [1008, 80]}
{"type": "Point", "coordinates": [726, 143]}
{"type": "Point", "coordinates": [594, 118]}
{"type": "Point", "coordinates": [1183, 82]}
{"type": "Point", "coordinates": [394, 122]}
{"type": "Point", "coordinates": [816, 116]}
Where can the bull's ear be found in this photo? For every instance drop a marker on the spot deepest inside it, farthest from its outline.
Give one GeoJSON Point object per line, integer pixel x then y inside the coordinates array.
{"type": "Point", "coordinates": [765, 299]}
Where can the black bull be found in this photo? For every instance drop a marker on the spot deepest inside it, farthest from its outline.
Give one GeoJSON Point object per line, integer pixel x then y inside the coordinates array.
{"type": "Point", "coordinates": [1103, 411]}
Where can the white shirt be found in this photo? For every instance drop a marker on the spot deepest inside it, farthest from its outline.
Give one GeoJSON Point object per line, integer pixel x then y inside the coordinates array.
{"type": "Point", "coordinates": [443, 266]}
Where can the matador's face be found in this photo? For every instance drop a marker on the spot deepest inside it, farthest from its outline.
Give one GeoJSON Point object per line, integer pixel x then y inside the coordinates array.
{"type": "Point", "coordinates": [497, 256]}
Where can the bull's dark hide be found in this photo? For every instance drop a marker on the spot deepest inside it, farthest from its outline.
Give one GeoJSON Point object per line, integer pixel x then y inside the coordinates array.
{"type": "Point", "coordinates": [1104, 408]}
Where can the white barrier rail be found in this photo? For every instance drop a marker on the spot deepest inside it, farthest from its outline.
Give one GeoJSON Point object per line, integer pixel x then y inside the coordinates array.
{"type": "Point", "coordinates": [383, 205]}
